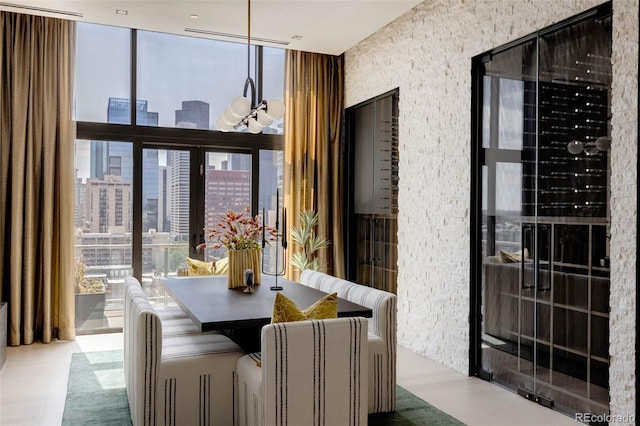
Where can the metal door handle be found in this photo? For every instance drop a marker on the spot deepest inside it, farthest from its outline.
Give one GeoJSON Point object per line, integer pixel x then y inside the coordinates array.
{"type": "Point", "coordinates": [545, 229]}
{"type": "Point", "coordinates": [526, 231]}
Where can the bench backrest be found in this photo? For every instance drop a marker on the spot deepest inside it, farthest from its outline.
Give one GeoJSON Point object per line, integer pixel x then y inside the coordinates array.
{"type": "Point", "coordinates": [326, 283]}
{"type": "Point", "coordinates": [143, 351]}
{"type": "Point", "coordinates": [382, 303]}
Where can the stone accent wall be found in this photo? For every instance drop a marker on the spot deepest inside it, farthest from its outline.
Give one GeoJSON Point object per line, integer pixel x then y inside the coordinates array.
{"type": "Point", "coordinates": [624, 166]}
{"type": "Point", "coordinates": [427, 54]}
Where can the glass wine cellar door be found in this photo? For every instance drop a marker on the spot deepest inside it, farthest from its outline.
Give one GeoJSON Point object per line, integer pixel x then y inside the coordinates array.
{"type": "Point", "coordinates": [543, 116]}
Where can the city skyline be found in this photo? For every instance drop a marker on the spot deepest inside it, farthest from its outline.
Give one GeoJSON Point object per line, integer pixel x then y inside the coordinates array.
{"type": "Point", "coordinates": [165, 192]}
{"type": "Point", "coordinates": [83, 154]}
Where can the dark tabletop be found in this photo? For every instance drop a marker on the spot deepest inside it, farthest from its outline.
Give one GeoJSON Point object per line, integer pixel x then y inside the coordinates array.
{"type": "Point", "coordinates": [213, 306]}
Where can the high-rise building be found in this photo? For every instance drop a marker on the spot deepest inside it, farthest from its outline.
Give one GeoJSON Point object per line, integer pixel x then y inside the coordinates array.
{"type": "Point", "coordinates": [107, 205]}
{"type": "Point", "coordinates": [119, 112]}
{"type": "Point", "coordinates": [194, 114]}
{"type": "Point", "coordinates": [178, 192]}
{"type": "Point", "coordinates": [80, 202]}
{"type": "Point", "coordinates": [116, 158]}
{"type": "Point", "coordinates": [163, 205]}
{"type": "Point", "coordinates": [226, 190]}
{"type": "Point", "coordinates": [150, 189]}
{"type": "Point", "coordinates": [98, 159]}
{"type": "Point", "coordinates": [240, 161]}
{"type": "Point", "coordinates": [271, 177]}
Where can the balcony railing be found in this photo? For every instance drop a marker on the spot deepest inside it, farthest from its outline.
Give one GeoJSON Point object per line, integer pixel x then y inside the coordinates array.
{"type": "Point", "coordinates": [159, 260]}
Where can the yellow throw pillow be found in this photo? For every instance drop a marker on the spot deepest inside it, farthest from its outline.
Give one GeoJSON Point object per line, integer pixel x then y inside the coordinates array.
{"type": "Point", "coordinates": [221, 266]}
{"type": "Point", "coordinates": [198, 267]}
{"type": "Point", "coordinates": [516, 256]}
{"type": "Point", "coordinates": [285, 310]}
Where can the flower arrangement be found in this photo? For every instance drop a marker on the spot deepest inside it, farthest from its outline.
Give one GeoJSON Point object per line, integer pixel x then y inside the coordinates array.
{"type": "Point", "coordinates": [238, 231]}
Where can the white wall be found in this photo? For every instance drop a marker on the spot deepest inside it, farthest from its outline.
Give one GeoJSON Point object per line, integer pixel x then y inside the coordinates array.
{"type": "Point", "coordinates": [427, 54]}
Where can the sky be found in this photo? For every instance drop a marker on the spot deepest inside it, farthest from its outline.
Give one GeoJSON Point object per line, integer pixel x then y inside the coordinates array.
{"type": "Point", "coordinates": [170, 68]}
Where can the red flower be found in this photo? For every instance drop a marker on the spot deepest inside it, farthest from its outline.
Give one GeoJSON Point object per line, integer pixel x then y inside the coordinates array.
{"type": "Point", "coordinates": [237, 231]}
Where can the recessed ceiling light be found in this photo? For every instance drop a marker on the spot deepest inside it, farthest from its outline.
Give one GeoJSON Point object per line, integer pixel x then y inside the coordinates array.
{"type": "Point", "coordinates": [122, 12]}
{"type": "Point", "coordinates": [296, 37]}
{"type": "Point", "coordinates": [194, 16]}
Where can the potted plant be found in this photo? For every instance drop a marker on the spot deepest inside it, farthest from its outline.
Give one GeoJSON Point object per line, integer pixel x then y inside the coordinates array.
{"type": "Point", "coordinates": [310, 243]}
{"type": "Point", "coordinates": [90, 295]}
{"type": "Point", "coordinates": [242, 236]}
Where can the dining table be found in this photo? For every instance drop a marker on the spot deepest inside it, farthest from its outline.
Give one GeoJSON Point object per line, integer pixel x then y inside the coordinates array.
{"type": "Point", "coordinates": [211, 305]}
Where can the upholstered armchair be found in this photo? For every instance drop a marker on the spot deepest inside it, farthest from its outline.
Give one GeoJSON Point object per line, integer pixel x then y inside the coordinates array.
{"type": "Point", "coordinates": [382, 333]}
{"type": "Point", "coordinates": [308, 373]}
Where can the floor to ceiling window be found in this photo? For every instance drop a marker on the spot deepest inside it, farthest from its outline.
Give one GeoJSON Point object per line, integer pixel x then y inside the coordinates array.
{"type": "Point", "coordinates": [542, 206]}
{"type": "Point", "coordinates": [149, 180]}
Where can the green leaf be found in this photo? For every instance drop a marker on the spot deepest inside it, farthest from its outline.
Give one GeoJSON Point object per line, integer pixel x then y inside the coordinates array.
{"type": "Point", "coordinates": [300, 235]}
{"type": "Point", "coordinates": [304, 236]}
{"type": "Point", "coordinates": [317, 243]}
{"type": "Point", "coordinates": [309, 219]}
{"type": "Point", "coordinates": [300, 261]}
{"type": "Point", "coordinates": [314, 265]}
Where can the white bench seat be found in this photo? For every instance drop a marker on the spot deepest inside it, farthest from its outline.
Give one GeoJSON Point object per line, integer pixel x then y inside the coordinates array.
{"type": "Point", "coordinates": [184, 378]}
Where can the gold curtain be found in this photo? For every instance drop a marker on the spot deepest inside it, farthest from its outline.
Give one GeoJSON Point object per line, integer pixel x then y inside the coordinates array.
{"type": "Point", "coordinates": [36, 177]}
{"type": "Point", "coordinates": [314, 152]}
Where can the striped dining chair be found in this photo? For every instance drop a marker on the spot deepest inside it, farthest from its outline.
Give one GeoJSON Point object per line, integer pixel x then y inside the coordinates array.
{"type": "Point", "coordinates": [308, 373]}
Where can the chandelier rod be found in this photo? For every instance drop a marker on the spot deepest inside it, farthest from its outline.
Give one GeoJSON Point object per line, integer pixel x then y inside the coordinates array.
{"type": "Point", "coordinates": [249, 81]}
{"type": "Point", "coordinates": [248, 38]}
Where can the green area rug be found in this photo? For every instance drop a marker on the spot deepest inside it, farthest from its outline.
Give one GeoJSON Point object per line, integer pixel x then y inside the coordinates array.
{"type": "Point", "coordinates": [95, 393]}
{"type": "Point", "coordinates": [412, 411]}
{"type": "Point", "coordinates": [96, 396]}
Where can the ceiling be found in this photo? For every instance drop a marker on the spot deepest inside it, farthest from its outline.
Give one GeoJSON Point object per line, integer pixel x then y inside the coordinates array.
{"type": "Point", "coordinates": [322, 26]}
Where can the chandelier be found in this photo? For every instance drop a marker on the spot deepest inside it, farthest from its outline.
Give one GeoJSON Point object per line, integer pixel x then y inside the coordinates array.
{"type": "Point", "coordinates": [243, 110]}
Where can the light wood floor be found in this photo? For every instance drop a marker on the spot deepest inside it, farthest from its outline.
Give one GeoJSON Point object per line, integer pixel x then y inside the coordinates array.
{"type": "Point", "coordinates": [33, 385]}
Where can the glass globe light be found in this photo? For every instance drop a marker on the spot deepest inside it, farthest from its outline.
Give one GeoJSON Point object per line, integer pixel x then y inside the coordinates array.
{"type": "Point", "coordinates": [575, 147]}
{"type": "Point", "coordinates": [603, 143]}
{"type": "Point", "coordinates": [275, 109]}
{"type": "Point", "coordinates": [254, 126]}
{"type": "Point", "coordinates": [240, 106]}
{"type": "Point", "coordinates": [222, 124]}
{"type": "Point", "coordinates": [263, 119]}
{"type": "Point", "coordinates": [591, 149]}
{"type": "Point", "coordinates": [229, 118]}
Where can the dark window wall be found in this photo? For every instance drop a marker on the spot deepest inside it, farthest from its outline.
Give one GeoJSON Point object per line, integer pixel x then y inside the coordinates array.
{"type": "Point", "coordinates": [141, 190]}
